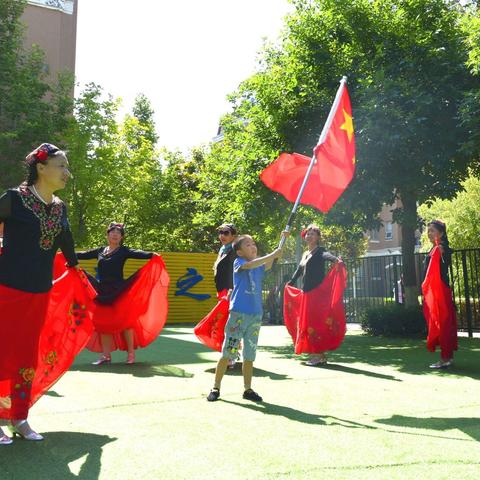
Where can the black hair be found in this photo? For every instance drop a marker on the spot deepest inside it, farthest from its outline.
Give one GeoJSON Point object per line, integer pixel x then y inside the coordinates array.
{"type": "Point", "coordinates": [442, 228]}
{"type": "Point", "coordinates": [33, 159]}
{"type": "Point", "coordinates": [237, 244]}
{"type": "Point", "coordinates": [230, 226]}
{"type": "Point", "coordinates": [116, 226]}
{"type": "Point", "coordinates": [313, 228]}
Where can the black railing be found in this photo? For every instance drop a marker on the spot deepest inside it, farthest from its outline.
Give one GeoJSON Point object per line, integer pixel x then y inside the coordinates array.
{"type": "Point", "coordinates": [377, 280]}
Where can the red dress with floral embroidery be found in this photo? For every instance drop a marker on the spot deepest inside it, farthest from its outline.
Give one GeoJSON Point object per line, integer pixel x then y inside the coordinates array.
{"type": "Point", "coordinates": [211, 329]}
{"type": "Point", "coordinates": [43, 325]}
{"type": "Point", "coordinates": [316, 319]}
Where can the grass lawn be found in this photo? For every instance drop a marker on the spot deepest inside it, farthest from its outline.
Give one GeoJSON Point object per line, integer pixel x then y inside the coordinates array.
{"type": "Point", "coordinates": [375, 412]}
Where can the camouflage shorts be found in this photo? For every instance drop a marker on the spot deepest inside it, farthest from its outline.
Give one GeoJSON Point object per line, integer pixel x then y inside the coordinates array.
{"type": "Point", "coordinates": [241, 326]}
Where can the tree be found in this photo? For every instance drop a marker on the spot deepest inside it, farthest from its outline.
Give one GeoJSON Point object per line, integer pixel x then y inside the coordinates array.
{"type": "Point", "coordinates": [141, 173]}
{"type": "Point", "coordinates": [116, 171]}
{"type": "Point", "coordinates": [143, 112]}
{"type": "Point", "coordinates": [460, 214]}
{"type": "Point", "coordinates": [229, 190]}
{"type": "Point", "coordinates": [470, 112]}
{"type": "Point", "coordinates": [92, 138]}
{"type": "Point", "coordinates": [406, 61]}
{"type": "Point", "coordinates": [27, 116]}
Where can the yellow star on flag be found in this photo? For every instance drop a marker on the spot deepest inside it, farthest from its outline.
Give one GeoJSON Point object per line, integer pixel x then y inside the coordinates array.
{"type": "Point", "coordinates": [348, 125]}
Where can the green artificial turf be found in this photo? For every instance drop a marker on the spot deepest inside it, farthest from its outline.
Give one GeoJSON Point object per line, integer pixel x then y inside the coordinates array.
{"type": "Point", "coordinates": [374, 412]}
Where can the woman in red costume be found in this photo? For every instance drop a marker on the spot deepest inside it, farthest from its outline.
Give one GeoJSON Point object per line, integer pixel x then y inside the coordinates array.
{"type": "Point", "coordinates": [438, 305]}
{"type": "Point", "coordinates": [314, 315]}
{"type": "Point", "coordinates": [210, 330]}
{"type": "Point", "coordinates": [41, 328]}
{"type": "Point", "coordinates": [129, 313]}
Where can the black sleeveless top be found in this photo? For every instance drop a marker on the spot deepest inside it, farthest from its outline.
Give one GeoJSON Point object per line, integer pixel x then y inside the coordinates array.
{"type": "Point", "coordinates": [312, 271]}
{"type": "Point", "coordinates": [445, 262]}
{"type": "Point", "coordinates": [110, 283]}
{"type": "Point", "coordinates": [223, 270]}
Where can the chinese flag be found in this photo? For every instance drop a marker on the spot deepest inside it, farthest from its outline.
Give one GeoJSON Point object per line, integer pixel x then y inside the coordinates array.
{"type": "Point", "coordinates": [438, 309]}
{"type": "Point", "coordinates": [333, 169]}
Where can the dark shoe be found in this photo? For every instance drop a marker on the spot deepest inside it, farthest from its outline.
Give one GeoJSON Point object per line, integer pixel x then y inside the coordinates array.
{"type": "Point", "coordinates": [251, 395]}
{"type": "Point", "coordinates": [213, 395]}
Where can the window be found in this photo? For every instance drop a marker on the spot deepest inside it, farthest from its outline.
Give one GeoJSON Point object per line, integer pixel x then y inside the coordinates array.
{"type": "Point", "coordinates": [373, 235]}
{"type": "Point", "coordinates": [376, 269]}
{"type": "Point", "coordinates": [388, 231]}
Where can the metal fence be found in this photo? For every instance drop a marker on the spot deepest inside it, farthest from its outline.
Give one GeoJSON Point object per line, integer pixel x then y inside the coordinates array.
{"type": "Point", "coordinates": [375, 281]}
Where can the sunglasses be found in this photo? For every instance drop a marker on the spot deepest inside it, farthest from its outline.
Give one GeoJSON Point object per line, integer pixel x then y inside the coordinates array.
{"type": "Point", "coordinates": [224, 232]}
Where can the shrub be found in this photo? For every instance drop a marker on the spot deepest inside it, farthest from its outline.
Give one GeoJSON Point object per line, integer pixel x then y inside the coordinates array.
{"type": "Point", "coordinates": [393, 320]}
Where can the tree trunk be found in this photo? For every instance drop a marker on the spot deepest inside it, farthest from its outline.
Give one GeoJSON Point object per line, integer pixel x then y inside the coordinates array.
{"type": "Point", "coordinates": [409, 225]}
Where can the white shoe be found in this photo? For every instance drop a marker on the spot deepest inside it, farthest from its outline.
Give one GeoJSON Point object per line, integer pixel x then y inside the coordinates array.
{"type": "Point", "coordinates": [22, 429]}
{"type": "Point", "coordinates": [130, 358]}
{"type": "Point", "coordinates": [442, 364]}
{"type": "Point", "coordinates": [102, 359]}
{"type": "Point", "coordinates": [313, 362]}
{"type": "Point", "coordinates": [5, 439]}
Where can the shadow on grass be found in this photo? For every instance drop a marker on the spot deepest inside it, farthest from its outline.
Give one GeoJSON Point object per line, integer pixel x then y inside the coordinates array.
{"type": "Point", "coordinates": [176, 351]}
{"type": "Point", "coordinates": [297, 415]}
{"type": "Point", "coordinates": [405, 354]}
{"type": "Point", "coordinates": [158, 359]}
{"type": "Point", "coordinates": [50, 459]}
{"type": "Point", "coordinates": [139, 369]}
{"type": "Point", "coordinates": [358, 371]}
{"type": "Point", "coordinates": [468, 425]}
{"type": "Point", "coordinates": [287, 352]}
{"type": "Point", "coordinates": [257, 372]}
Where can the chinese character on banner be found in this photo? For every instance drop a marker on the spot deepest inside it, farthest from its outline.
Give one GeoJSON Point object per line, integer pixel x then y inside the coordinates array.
{"type": "Point", "coordinates": [188, 281]}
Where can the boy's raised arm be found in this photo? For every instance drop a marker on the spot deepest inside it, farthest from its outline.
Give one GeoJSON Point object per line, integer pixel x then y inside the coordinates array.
{"type": "Point", "coordinates": [257, 262]}
{"type": "Point", "coordinates": [266, 260]}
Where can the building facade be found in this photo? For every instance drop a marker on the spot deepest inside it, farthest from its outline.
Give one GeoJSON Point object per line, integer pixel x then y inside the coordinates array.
{"type": "Point", "coordinates": [52, 25]}
{"type": "Point", "coordinates": [387, 240]}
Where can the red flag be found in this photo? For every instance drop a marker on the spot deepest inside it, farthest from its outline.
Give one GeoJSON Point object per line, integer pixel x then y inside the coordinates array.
{"type": "Point", "coordinates": [334, 166]}
{"type": "Point", "coordinates": [438, 309]}
{"type": "Point", "coordinates": [316, 319]}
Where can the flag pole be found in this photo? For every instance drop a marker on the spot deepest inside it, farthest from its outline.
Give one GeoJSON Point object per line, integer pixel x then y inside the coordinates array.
{"type": "Point", "coordinates": [323, 135]}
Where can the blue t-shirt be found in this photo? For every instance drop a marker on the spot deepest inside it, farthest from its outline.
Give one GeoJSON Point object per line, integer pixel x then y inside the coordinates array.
{"type": "Point", "coordinates": [247, 288]}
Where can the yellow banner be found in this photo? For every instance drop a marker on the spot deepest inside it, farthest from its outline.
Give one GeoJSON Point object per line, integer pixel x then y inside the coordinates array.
{"type": "Point", "coordinates": [191, 294]}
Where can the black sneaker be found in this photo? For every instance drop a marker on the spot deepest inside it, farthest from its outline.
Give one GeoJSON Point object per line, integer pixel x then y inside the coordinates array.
{"type": "Point", "coordinates": [213, 395]}
{"type": "Point", "coordinates": [251, 395]}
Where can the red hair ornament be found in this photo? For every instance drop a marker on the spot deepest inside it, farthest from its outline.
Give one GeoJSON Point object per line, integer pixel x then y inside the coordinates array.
{"type": "Point", "coordinates": [41, 153]}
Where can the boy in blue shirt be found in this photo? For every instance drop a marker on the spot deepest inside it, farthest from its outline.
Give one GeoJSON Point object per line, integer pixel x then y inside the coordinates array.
{"type": "Point", "coordinates": [246, 311]}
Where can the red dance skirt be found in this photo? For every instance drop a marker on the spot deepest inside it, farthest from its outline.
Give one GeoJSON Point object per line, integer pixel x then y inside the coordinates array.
{"type": "Point", "coordinates": [439, 310]}
{"type": "Point", "coordinates": [143, 307]}
{"type": "Point", "coordinates": [40, 335]}
{"type": "Point", "coordinates": [316, 319]}
{"type": "Point", "coordinates": [211, 329]}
